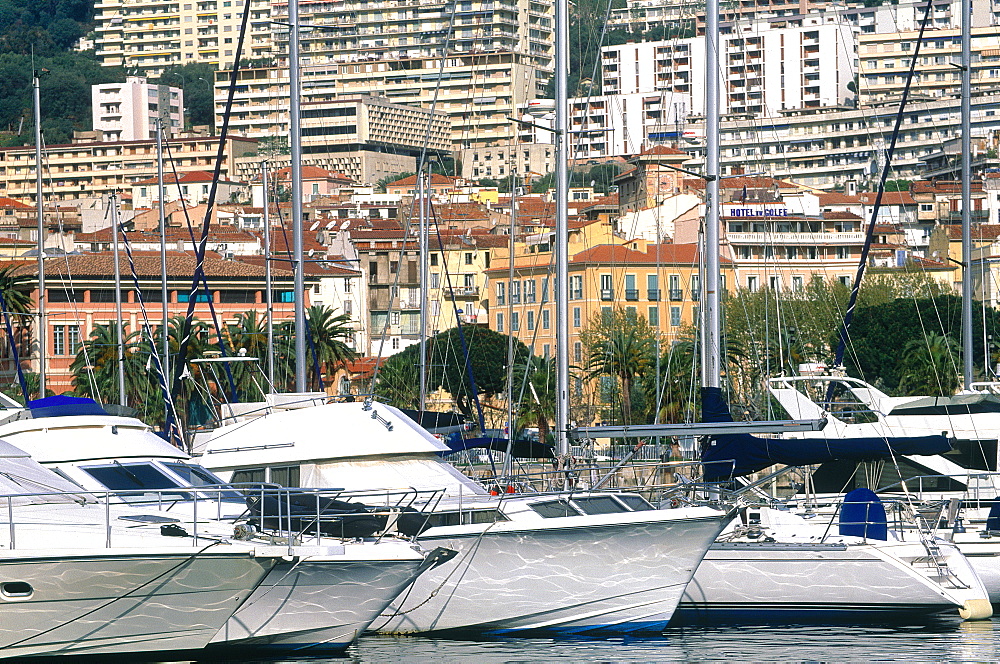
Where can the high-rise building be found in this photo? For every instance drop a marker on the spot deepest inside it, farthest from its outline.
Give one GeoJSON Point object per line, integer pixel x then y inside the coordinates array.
{"type": "Point", "coordinates": [129, 111]}
{"type": "Point", "coordinates": [809, 65]}
{"type": "Point", "coordinates": [885, 61]}
{"type": "Point", "coordinates": [148, 36]}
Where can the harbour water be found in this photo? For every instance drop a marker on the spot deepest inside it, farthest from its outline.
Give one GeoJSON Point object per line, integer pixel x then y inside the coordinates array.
{"type": "Point", "coordinates": [944, 641]}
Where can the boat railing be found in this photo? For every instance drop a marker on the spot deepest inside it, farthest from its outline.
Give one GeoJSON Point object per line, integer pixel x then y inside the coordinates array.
{"type": "Point", "coordinates": [981, 486]}
{"type": "Point", "coordinates": [661, 483]}
{"type": "Point", "coordinates": [257, 513]}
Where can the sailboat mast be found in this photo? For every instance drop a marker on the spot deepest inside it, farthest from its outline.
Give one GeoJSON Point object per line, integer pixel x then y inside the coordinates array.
{"type": "Point", "coordinates": [712, 328]}
{"type": "Point", "coordinates": [119, 324]}
{"type": "Point", "coordinates": [295, 143]}
{"type": "Point", "coordinates": [41, 236]}
{"type": "Point", "coordinates": [562, 225]}
{"type": "Point", "coordinates": [966, 118]}
{"type": "Point", "coordinates": [163, 250]}
{"type": "Point", "coordinates": [269, 298]}
{"type": "Point", "coordinates": [424, 283]}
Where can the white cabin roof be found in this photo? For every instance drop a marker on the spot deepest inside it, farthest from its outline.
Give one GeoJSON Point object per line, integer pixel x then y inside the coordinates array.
{"type": "Point", "coordinates": [330, 432]}
{"type": "Point", "coordinates": [79, 438]}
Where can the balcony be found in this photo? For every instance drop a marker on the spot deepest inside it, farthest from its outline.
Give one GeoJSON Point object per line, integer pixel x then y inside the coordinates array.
{"type": "Point", "coordinates": [653, 294]}
{"type": "Point", "coordinates": [676, 294]}
{"type": "Point", "coordinates": [607, 294]}
{"type": "Point", "coordinates": [695, 294]}
{"type": "Point", "coordinates": [462, 293]}
{"type": "Point", "coordinates": [795, 238]}
{"type": "Point", "coordinates": [632, 294]}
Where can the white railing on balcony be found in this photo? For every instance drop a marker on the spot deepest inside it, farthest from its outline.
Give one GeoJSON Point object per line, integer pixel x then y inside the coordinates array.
{"type": "Point", "coordinates": [796, 238]}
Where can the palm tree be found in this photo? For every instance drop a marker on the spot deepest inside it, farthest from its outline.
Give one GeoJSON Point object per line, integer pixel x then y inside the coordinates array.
{"type": "Point", "coordinates": [929, 366]}
{"type": "Point", "coordinates": [16, 291]}
{"type": "Point", "coordinates": [538, 406]}
{"type": "Point", "coordinates": [247, 336]}
{"type": "Point", "coordinates": [398, 382]}
{"type": "Point", "coordinates": [328, 330]}
{"type": "Point", "coordinates": [619, 345]}
{"type": "Point", "coordinates": [95, 367]}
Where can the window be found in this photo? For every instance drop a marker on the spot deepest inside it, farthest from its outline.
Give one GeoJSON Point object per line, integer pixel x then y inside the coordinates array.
{"type": "Point", "coordinates": [797, 283]}
{"type": "Point", "coordinates": [545, 319]}
{"type": "Point", "coordinates": [468, 258]}
{"type": "Point", "coordinates": [631, 292]}
{"type": "Point", "coordinates": [202, 296]}
{"type": "Point", "coordinates": [469, 281]}
{"type": "Point", "coordinates": [348, 307]}
{"type": "Point", "coordinates": [348, 285]}
{"type": "Point", "coordinates": [752, 283]}
{"type": "Point", "coordinates": [531, 320]}
{"type": "Point", "coordinates": [675, 316]}
{"type": "Point", "coordinates": [654, 316]}
{"type": "Point", "coordinates": [774, 283]}
{"type": "Point", "coordinates": [515, 323]}
{"type": "Point", "coordinates": [674, 282]}
{"type": "Point", "coordinates": [695, 287]}
{"type": "Point", "coordinates": [499, 322]}
{"type": "Point", "coordinates": [284, 475]}
{"type": "Point", "coordinates": [395, 343]}
{"type": "Point", "coordinates": [529, 291]}
{"type": "Point", "coordinates": [59, 340]}
{"type": "Point", "coordinates": [394, 318]}
{"type": "Point", "coordinates": [545, 290]}
{"type": "Point", "coordinates": [576, 287]}
{"type": "Point", "coordinates": [576, 316]}
{"type": "Point", "coordinates": [515, 292]}
{"type": "Point", "coordinates": [653, 287]}
{"type": "Point", "coordinates": [607, 290]}
{"type": "Point", "coordinates": [501, 288]}
{"type": "Point", "coordinates": [843, 252]}
{"type": "Point", "coordinates": [578, 352]}
{"type": "Point", "coordinates": [434, 260]}
{"type": "Point", "coordinates": [436, 282]}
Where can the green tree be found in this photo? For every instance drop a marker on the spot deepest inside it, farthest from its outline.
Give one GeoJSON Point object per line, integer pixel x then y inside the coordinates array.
{"type": "Point", "coordinates": [197, 81]}
{"type": "Point", "coordinates": [487, 355]}
{"type": "Point", "coordinates": [381, 183]}
{"type": "Point", "coordinates": [619, 345]}
{"type": "Point", "coordinates": [929, 366]}
{"type": "Point", "coordinates": [398, 382]}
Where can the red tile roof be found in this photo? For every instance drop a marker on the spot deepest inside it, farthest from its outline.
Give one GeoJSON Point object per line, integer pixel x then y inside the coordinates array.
{"type": "Point", "coordinates": [888, 198]}
{"type": "Point", "coordinates": [837, 198]}
{"type": "Point", "coordinates": [147, 263]}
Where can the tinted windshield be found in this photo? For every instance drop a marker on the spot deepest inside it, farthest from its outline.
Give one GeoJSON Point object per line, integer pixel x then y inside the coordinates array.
{"type": "Point", "coordinates": [194, 475]}
{"type": "Point", "coordinates": [132, 477]}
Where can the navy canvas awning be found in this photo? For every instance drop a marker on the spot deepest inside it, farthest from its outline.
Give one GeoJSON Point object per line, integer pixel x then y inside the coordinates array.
{"type": "Point", "coordinates": [64, 406]}
{"type": "Point", "coordinates": [733, 455]}
{"type": "Point", "coordinates": [521, 449]}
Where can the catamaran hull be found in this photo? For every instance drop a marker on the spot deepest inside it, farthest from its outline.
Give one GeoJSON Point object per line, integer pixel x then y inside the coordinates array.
{"type": "Point", "coordinates": [759, 581]}
{"type": "Point", "coordinates": [120, 603]}
{"type": "Point", "coordinates": [621, 576]}
{"type": "Point", "coordinates": [321, 602]}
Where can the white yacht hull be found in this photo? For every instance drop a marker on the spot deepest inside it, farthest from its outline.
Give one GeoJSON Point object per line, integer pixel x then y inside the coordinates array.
{"type": "Point", "coordinates": [324, 600]}
{"type": "Point", "coordinates": [802, 582]}
{"type": "Point", "coordinates": [118, 602]}
{"type": "Point", "coordinates": [614, 573]}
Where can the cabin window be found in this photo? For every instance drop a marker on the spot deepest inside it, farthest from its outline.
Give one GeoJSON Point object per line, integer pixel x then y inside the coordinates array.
{"type": "Point", "coordinates": [248, 476]}
{"type": "Point", "coordinates": [635, 502]}
{"type": "Point", "coordinates": [285, 475]}
{"type": "Point", "coordinates": [599, 505]}
{"type": "Point", "coordinates": [554, 509]}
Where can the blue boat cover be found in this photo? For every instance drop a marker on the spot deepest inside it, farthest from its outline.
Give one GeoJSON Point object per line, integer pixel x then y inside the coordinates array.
{"type": "Point", "coordinates": [993, 520]}
{"type": "Point", "coordinates": [520, 449]}
{"type": "Point", "coordinates": [63, 406]}
{"type": "Point", "coordinates": [732, 455]}
{"type": "Point", "coordinates": [863, 515]}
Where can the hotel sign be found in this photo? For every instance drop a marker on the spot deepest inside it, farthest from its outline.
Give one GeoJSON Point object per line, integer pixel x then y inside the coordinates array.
{"type": "Point", "coordinates": [753, 211]}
